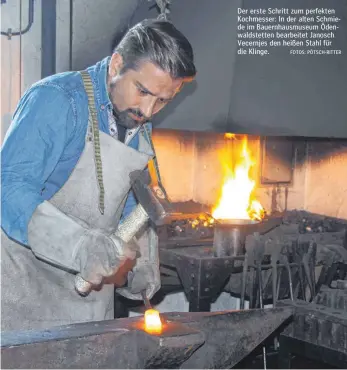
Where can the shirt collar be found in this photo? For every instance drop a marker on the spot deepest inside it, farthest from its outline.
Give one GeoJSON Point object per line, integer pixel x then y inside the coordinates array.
{"type": "Point", "coordinates": [99, 74]}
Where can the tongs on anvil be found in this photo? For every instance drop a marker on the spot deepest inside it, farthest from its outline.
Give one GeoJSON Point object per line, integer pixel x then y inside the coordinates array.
{"type": "Point", "coordinates": [146, 300]}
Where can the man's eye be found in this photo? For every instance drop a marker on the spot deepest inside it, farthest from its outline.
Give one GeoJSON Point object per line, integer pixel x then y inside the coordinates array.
{"type": "Point", "coordinates": [142, 92]}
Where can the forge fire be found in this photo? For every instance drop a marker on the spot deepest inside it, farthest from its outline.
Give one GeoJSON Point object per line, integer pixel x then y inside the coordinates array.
{"type": "Point", "coordinates": [237, 200]}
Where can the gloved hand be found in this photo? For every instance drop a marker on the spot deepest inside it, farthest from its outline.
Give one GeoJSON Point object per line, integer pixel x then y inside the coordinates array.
{"type": "Point", "coordinates": [62, 241]}
{"type": "Point", "coordinates": [145, 275]}
{"type": "Point", "coordinates": [104, 260]}
{"type": "Point", "coordinates": [143, 278]}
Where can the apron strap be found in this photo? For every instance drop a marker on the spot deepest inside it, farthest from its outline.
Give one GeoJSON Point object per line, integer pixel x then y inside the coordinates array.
{"type": "Point", "coordinates": [153, 166]}
{"type": "Point", "coordinates": [88, 85]}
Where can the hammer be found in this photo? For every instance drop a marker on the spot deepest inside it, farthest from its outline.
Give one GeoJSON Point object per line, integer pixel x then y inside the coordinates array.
{"type": "Point", "coordinates": [152, 205]}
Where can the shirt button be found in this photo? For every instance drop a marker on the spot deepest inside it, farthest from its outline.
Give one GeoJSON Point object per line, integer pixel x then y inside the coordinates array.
{"type": "Point", "coordinates": [102, 107]}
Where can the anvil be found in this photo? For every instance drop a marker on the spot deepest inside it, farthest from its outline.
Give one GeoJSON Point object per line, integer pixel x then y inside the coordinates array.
{"type": "Point", "coordinates": [188, 340]}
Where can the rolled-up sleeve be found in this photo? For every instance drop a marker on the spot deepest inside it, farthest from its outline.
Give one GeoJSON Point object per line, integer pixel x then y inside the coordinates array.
{"type": "Point", "coordinates": [32, 147]}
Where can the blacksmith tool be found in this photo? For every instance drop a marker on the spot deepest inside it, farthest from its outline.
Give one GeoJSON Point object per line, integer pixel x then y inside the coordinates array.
{"type": "Point", "coordinates": [152, 205]}
{"type": "Point", "coordinates": [284, 260]}
{"type": "Point", "coordinates": [250, 258]}
{"type": "Point", "coordinates": [308, 262]}
{"type": "Point", "coordinates": [146, 300]}
{"type": "Point", "coordinates": [341, 284]}
{"type": "Point", "coordinates": [200, 340]}
{"type": "Point", "coordinates": [274, 259]}
{"type": "Point", "coordinates": [331, 255]}
{"type": "Point", "coordinates": [259, 258]}
{"type": "Point", "coordinates": [254, 256]}
{"type": "Point", "coordinates": [301, 285]}
{"type": "Point", "coordinates": [244, 281]}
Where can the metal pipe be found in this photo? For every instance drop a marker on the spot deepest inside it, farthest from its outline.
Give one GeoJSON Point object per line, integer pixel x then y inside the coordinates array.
{"type": "Point", "coordinates": [70, 34]}
{"type": "Point", "coordinates": [20, 48]}
{"type": "Point", "coordinates": [228, 241]}
{"type": "Point", "coordinates": [289, 278]}
{"type": "Point", "coordinates": [230, 236]}
{"type": "Point", "coordinates": [244, 282]}
{"type": "Point", "coordinates": [9, 33]}
{"type": "Point", "coordinates": [48, 38]}
{"type": "Point", "coordinates": [261, 303]}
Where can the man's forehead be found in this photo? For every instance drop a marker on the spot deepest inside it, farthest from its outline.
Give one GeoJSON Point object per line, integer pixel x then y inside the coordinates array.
{"type": "Point", "coordinates": [153, 77]}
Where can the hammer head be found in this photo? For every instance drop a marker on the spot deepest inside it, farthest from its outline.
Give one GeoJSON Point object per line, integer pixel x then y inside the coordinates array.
{"type": "Point", "coordinates": [154, 201]}
{"type": "Point", "coordinates": [151, 198]}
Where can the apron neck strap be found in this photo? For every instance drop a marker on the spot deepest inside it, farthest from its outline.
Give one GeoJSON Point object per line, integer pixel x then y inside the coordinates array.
{"type": "Point", "coordinates": [88, 86]}
{"type": "Point", "coordinates": [153, 166]}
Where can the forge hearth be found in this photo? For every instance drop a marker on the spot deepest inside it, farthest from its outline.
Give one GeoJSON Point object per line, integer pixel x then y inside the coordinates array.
{"type": "Point", "coordinates": [290, 173]}
{"type": "Point", "coordinates": [230, 236]}
{"type": "Point", "coordinates": [299, 259]}
{"type": "Point", "coordinates": [290, 246]}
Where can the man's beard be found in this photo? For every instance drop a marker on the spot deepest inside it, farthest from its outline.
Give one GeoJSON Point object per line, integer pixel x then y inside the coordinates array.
{"type": "Point", "coordinates": [123, 118]}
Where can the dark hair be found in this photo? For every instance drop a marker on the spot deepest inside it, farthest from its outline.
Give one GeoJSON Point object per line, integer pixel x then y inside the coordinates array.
{"type": "Point", "coordinates": [159, 42]}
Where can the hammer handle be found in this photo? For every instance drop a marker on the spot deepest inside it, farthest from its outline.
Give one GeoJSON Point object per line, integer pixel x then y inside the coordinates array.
{"type": "Point", "coordinates": [132, 224]}
{"type": "Point", "coordinates": [126, 231]}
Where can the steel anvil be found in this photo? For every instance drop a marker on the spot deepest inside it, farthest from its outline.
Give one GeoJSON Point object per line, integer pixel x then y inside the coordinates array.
{"type": "Point", "coordinates": [189, 340]}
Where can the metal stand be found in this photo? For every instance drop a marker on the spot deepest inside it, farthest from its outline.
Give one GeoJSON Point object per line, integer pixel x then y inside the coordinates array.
{"type": "Point", "coordinates": [202, 275]}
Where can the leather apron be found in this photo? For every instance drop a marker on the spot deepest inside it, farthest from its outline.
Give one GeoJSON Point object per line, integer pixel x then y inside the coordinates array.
{"type": "Point", "coordinates": [37, 295]}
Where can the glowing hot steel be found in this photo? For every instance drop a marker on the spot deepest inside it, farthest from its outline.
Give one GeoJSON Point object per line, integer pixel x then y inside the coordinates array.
{"type": "Point", "coordinates": [153, 324]}
{"type": "Point", "coordinates": [237, 200]}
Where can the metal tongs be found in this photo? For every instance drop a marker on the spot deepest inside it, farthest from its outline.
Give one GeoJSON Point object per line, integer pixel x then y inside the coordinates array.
{"type": "Point", "coordinates": [146, 300]}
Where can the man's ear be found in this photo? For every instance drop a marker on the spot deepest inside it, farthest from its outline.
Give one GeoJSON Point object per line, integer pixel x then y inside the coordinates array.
{"type": "Point", "coordinates": [185, 81]}
{"type": "Point", "coordinates": [188, 79]}
{"type": "Point", "coordinates": [116, 65]}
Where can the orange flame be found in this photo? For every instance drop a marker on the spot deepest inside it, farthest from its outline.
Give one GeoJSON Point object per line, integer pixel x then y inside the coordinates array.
{"type": "Point", "coordinates": [229, 135]}
{"type": "Point", "coordinates": [153, 324]}
{"type": "Point", "coordinates": [237, 200]}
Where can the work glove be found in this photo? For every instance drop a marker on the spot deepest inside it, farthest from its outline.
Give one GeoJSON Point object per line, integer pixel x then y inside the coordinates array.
{"type": "Point", "coordinates": [104, 260]}
{"type": "Point", "coordinates": [67, 243]}
{"type": "Point", "coordinates": [145, 276]}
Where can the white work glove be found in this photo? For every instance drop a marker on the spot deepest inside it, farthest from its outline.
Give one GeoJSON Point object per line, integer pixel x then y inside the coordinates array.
{"type": "Point", "coordinates": [145, 276]}
{"type": "Point", "coordinates": [103, 260]}
{"type": "Point", "coordinates": [66, 243]}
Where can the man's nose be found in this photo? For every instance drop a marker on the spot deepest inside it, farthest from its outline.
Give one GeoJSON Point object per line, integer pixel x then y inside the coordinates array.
{"type": "Point", "coordinates": [148, 106]}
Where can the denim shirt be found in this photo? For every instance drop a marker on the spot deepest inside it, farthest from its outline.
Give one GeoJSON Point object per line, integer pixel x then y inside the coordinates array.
{"type": "Point", "coordinates": [44, 142]}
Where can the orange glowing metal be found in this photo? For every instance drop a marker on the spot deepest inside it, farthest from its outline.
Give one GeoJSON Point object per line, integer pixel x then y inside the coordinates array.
{"type": "Point", "coordinates": [237, 200]}
{"type": "Point", "coordinates": [153, 324]}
